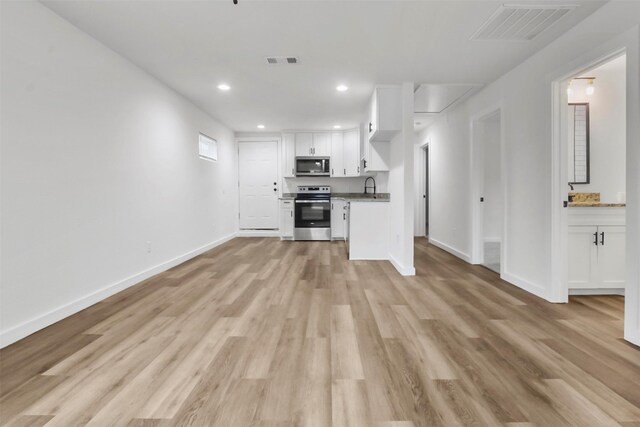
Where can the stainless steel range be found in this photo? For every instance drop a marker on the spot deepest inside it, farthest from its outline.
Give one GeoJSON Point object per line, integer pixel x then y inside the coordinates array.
{"type": "Point", "coordinates": [312, 213]}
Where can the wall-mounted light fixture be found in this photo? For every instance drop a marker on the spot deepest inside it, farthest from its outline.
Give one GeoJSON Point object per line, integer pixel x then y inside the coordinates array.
{"type": "Point", "coordinates": [589, 90]}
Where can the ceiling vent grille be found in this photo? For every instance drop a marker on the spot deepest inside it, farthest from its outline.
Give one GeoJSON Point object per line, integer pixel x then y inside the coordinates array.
{"type": "Point", "coordinates": [521, 22]}
{"type": "Point", "coordinates": [275, 60]}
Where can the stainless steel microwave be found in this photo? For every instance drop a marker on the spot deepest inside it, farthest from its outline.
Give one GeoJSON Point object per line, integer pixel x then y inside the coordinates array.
{"type": "Point", "coordinates": [312, 166]}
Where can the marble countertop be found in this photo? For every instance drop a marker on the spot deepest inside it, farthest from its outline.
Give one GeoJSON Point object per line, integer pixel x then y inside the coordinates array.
{"type": "Point", "coordinates": [596, 205]}
{"type": "Point", "coordinates": [350, 197]}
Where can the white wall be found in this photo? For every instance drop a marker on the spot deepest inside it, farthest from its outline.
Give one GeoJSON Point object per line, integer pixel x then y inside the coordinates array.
{"type": "Point", "coordinates": [98, 158]}
{"type": "Point", "coordinates": [401, 187]}
{"type": "Point", "coordinates": [607, 123]}
{"type": "Point", "coordinates": [525, 96]}
{"type": "Point", "coordinates": [450, 162]}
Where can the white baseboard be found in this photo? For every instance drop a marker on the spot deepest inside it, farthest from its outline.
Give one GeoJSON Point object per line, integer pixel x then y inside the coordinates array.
{"type": "Point", "coordinates": [402, 269]}
{"type": "Point", "coordinates": [258, 233]}
{"type": "Point", "coordinates": [451, 250]}
{"type": "Point", "coordinates": [526, 285]}
{"type": "Point", "coordinates": [29, 327]}
{"type": "Point", "coordinates": [492, 240]}
{"type": "Point", "coordinates": [597, 291]}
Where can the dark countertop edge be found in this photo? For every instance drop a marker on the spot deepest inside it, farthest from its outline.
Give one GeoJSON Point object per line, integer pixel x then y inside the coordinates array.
{"type": "Point", "coordinates": [596, 205]}
{"type": "Point", "coordinates": [381, 197]}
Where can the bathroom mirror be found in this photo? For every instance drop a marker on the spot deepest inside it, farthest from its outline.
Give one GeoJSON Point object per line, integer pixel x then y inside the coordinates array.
{"type": "Point", "coordinates": [579, 158]}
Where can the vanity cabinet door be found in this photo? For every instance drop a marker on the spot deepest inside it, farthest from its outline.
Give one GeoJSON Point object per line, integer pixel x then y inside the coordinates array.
{"type": "Point", "coordinates": [583, 257]}
{"type": "Point", "coordinates": [611, 256]}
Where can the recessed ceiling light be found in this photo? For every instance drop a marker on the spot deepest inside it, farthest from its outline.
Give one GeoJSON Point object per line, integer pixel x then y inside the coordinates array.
{"type": "Point", "coordinates": [337, 126]}
{"type": "Point", "coordinates": [260, 126]}
{"type": "Point", "coordinates": [341, 88]}
{"type": "Point", "coordinates": [224, 86]}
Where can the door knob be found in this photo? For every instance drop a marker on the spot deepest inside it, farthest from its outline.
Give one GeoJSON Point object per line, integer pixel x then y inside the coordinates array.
{"type": "Point", "coordinates": [275, 189]}
{"type": "Point", "coordinates": [274, 183]}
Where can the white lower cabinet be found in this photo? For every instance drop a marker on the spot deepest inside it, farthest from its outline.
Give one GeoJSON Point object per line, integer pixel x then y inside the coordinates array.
{"type": "Point", "coordinates": [286, 219]}
{"type": "Point", "coordinates": [596, 257]}
{"type": "Point", "coordinates": [338, 219]}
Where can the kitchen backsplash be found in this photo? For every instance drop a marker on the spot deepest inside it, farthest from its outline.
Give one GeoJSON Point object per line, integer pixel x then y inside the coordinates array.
{"type": "Point", "coordinates": [338, 185]}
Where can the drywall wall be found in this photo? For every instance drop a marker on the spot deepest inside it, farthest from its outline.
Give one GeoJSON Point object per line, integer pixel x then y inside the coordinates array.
{"type": "Point", "coordinates": [607, 124]}
{"type": "Point", "coordinates": [102, 185]}
{"type": "Point", "coordinates": [401, 187]}
{"type": "Point", "coordinates": [450, 174]}
{"type": "Point", "coordinates": [525, 96]}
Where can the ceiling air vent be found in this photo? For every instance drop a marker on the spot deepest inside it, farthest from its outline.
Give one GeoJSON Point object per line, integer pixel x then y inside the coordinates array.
{"type": "Point", "coordinates": [282, 59]}
{"type": "Point", "coordinates": [521, 22]}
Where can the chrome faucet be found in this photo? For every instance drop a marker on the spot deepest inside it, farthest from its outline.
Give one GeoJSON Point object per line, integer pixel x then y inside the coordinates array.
{"type": "Point", "coordinates": [365, 185]}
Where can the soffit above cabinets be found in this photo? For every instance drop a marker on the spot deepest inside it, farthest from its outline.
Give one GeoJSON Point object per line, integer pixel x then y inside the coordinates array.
{"type": "Point", "coordinates": [435, 98]}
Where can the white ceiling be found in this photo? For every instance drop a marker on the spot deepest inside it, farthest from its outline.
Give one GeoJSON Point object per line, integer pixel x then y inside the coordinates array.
{"type": "Point", "coordinates": [194, 45]}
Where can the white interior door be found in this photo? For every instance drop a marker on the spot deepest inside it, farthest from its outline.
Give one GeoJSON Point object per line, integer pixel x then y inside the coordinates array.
{"type": "Point", "coordinates": [258, 184]}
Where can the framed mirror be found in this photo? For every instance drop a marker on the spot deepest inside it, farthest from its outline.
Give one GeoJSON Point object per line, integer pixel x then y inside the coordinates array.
{"type": "Point", "coordinates": [579, 158]}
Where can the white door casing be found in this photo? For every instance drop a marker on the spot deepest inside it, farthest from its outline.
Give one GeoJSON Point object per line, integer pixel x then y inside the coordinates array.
{"type": "Point", "coordinates": [257, 179]}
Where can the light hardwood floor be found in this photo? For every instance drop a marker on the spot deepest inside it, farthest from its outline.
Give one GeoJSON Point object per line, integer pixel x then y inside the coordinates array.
{"type": "Point", "coordinates": [260, 332]}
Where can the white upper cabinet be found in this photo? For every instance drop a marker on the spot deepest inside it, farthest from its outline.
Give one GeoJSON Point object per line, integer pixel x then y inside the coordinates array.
{"type": "Point", "coordinates": [321, 145]}
{"type": "Point", "coordinates": [288, 155]}
{"type": "Point", "coordinates": [304, 144]}
{"type": "Point", "coordinates": [337, 163]}
{"type": "Point", "coordinates": [385, 113]}
{"type": "Point", "coordinates": [317, 144]}
{"type": "Point", "coordinates": [351, 153]}
{"type": "Point", "coordinates": [342, 148]}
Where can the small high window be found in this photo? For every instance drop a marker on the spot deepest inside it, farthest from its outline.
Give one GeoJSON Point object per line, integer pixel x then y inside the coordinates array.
{"type": "Point", "coordinates": [208, 148]}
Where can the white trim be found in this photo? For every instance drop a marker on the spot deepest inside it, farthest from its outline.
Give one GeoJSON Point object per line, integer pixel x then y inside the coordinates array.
{"type": "Point", "coordinates": [597, 291]}
{"type": "Point", "coordinates": [30, 326]}
{"type": "Point", "coordinates": [421, 188]}
{"type": "Point", "coordinates": [495, 239]}
{"type": "Point", "coordinates": [258, 233]}
{"type": "Point", "coordinates": [625, 43]}
{"type": "Point", "coordinates": [445, 247]}
{"type": "Point", "coordinates": [524, 284]}
{"type": "Point", "coordinates": [403, 270]}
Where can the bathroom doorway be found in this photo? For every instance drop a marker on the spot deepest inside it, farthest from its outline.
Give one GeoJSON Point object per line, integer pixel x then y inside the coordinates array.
{"type": "Point", "coordinates": [594, 242]}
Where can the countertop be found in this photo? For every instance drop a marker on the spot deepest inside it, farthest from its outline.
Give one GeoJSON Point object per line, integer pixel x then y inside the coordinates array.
{"type": "Point", "coordinates": [596, 205]}
{"type": "Point", "coordinates": [349, 197]}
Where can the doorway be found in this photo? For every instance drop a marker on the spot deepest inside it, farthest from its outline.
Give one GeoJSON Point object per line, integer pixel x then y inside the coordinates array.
{"type": "Point", "coordinates": [426, 192]}
{"type": "Point", "coordinates": [488, 212]}
{"type": "Point", "coordinates": [258, 185]}
{"type": "Point", "coordinates": [624, 237]}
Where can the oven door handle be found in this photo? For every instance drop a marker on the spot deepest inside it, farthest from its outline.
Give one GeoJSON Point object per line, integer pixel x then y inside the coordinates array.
{"type": "Point", "coordinates": [313, 201]}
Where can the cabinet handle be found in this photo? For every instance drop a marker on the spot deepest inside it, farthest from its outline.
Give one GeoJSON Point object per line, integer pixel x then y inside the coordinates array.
{"type": "Point", "coordinates": [291, 213]}
{"type": "Point", "coordinates": [365, 164]}
{"type": "Point", "coordinates": [293, 172]}
{"type": "Point", "coordinates": [344, 216]}
{"type": "Point", "coordinates": [602, 238]}
{"type": "Point", "coordinates": [370, 127]}
{"type": "Point", "coordinates": [358, 169]}
{"type": "Point", "coordinates": [345, 172]}
{"type": "Point", "coordinates": [595, 238]}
